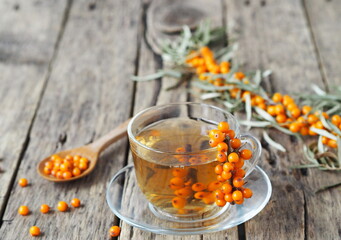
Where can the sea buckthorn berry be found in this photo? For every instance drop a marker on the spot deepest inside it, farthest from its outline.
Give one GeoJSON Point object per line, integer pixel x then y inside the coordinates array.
{"type": "Point", "coordinates": [218, 169]}
{"type": "Point", "coordinates": [198, 187]}
{"type": "Point", "coordinates": [76, 158]}
{"type": "Point", "coordinates": [304, 131]}
{"type": "Point", "coordinates": [212, 133]}
{"type": "Point", "coordinates": [184, 192]}
{"type": "Point", "coordinates": [59, 175]}
{"type": "Point", "coordinates": [83, 159]}
{"type": "Point", "coordinates": [44, 208]}
{"type": "Point", "coordinates": [301, 119]}
{"type": "Point", "coordinates": [23, 210]}
{"type": "Point", "coordinates": [180, 172]}
{"type": "Point", "coordinates": [239, 75]}
{"type": "Point", "coordinates": [54, 157]}
{"type": "Point", "coordinates": [115, 231]}
{"type": "Point", "coordinates": [271, 110]}
{"type": "Point", "coordinates": [34, 231]}
{"type": "Point", "coordinates": [295, 127]}
{"type": "Point", "coordinates": [233, 157]}
{"type": "Point", "coordinates": [223, 127]}
{"type": "Point", "coordinates": [178, 202]}
{"type": "Point", "coordinates": [62, 206]}
{"type": "Point", "coordinates": [220, 178]}
{"type": "Point", "coordinates": [325, 140]}
{"type": "Point", "coordinates": [228, 167]}
{"type": "Point", "coordinates": [228, 197]}
{"type": "Point", "coordinates": [219, 194]}
{"type": "Point", "coordinates": [238, 182]}
{"type": "Point", "coordinates": [219, 136]}
{"type": "Point", "coordinates": [23, 182]}
{"type": "Point", "coordinates": [286, 100]}
{"type": "Point", "coordinates": [212, 186]}
{"type": "Point", "coordinates": [239, 201]}
{"type": "Point", "coordinates": [246, 154]}
{"type": "Point", "coordinates": [281, 118]}
{"type": "Point", "coordinates": [312, 118]}
{"type": "Point", "coordinates": [47, 170]}
{"type": "Point", "coordinates": [325, 115]}
{"type": "Point", "coordinates": [67, 175]}
{"type": "Point", "coordinates": [213, 142]}
{"type": "Point", "coordinates": [221, 157]}
{"type": "Point", "coordinates": [262, 106]}
{"type": "Point", "coordinates": [222, 147]}
{"type": "Point", "coordinates": [247, 193]}
{"type": "Point", "coordinates": [65, 167]}
{"type": "Point", "coordinates": [259, 99]}
{"type": "Point", "coordinates": [200, 195]}
{"type": "Point", "coordinates": [220, 202]}
{"type": "Point", "coordinates": [226, 175]}
{"type": "Point", "coordinates": [49, 165]}
{"type": "Point", "coordinates": [209, 199]}
{"type": "Point", "coordinates": [83, 166]}
{"type": "Point", "coordinates": [231, 134]}
{"type": "Point", "coordinates": [76, 202]}
{"type": "Point", "coordinates": [332, 143]}
{"type": "Point", "coordinates": [237, 195]}
{"type": "Point", "coordinates": [235, 143]}
{"type": "Point", "coordinates": [291, 106]}
{"type": "Point", "coordinates": [177, 181]}
{"type": "Point", "coordinates": [306, 109]}
{"type": "Point", "coordinates": [277, 97]}
{"type": "Point", "coordinates": [180, 150]}
{"type": "Point", "coordinates": [239, 164]}
{"type": "Point", "coordinates": [239, 173]}
{"type": "Point", "coordinates": [226, 188]}
{"type": "Point", "coordinates": [319, 125]}
{"type": "Point", "coordinates": [296, 112]}
{"type": "Point", "coordinates": [336, 120]}
{"type": "Point", "coordinates": [279, 109]}
{"type": "Point", "coordinates": [245, 94]}
{"type": "Point", "coordinates": [76, 172]}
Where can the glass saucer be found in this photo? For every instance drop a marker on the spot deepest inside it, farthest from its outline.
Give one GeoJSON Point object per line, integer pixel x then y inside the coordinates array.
{"type": "Point", "coordinates": [128, 203]}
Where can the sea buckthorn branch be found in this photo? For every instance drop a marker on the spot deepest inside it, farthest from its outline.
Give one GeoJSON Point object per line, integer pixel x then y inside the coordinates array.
{"type": "Point", "coordinates": [194, 56]}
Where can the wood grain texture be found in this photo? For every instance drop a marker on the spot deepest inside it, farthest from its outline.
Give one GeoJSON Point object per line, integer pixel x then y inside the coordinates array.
{"type": "Point", "coordinates": [275, 35]}
{"type": "Point", "coordinates": [325, 19]}
{"type": "Point", "coordinates": [28, 34]}
{"type": "Point", "coordinates": [89, 93]}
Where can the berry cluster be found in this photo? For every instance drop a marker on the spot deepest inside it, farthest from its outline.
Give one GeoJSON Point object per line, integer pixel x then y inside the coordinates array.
{"type": "Point", "coordinates": [229, 171]}
{"type": "Point", "coordinates": [70, 166]}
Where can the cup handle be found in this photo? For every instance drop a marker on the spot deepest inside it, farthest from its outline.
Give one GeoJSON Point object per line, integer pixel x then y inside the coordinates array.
{"type": "Point", "coordinates": [255, 146]}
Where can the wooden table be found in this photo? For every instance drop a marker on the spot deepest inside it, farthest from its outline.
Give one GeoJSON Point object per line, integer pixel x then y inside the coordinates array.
{"type": "Point", "coordinates": [65, 80]}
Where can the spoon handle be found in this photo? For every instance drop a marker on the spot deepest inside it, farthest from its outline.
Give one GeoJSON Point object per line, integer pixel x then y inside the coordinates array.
{"type": "Point", "coordinates": [105, 141]}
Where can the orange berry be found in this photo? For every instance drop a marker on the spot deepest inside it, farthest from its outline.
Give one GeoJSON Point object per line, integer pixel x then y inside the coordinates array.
{"type": "Point", "coordinates": [235, 143]}
{"type": "Point", "coordinates": [209, 199]}
{"type": "Point", "coordinates": [325, 140]}
{"type": "Point", "coordinates": [213, 142]}
{"type": "Point", "coordinates": [59, 175]}
{"type": "Point", "coordinates": [44, 208]}
{"type": "Point", "coordinates": [49, 165]}
{"type": "Point", "coordinates": [76, 202]}
{"type": "Point", "coordinates": [296, 112]}
{"type": "Point", "coordinates": [239, 201]}
{"type": "Point", "coordinates": [304, 131]}
{"type": "Point", "coordinates": [271, 110]}
{"type": "Point", "coordinates": [247, 193]}
{"type": "Point", "coordinates": [198, 187]}
{"type": "Point", "coordinates": [76, 158]}
{"type": "Point", "coordinates": [239, 75]}
{"type": "Point", "coordinates": [67, 175]}
{"type": "Point", "coordinates": [291, 106]}
{"type": "Point", "coordinates": [287, 100]}
{"type": "Point", "coordinates": [332, 143]}
{"type": "Point", "coordinates": [237, 195]}
{"type": "Point", "coordinates": [54, 172]}
{"type": "Point", "coordinates": [222, 147]}
{"type": "Point", "coordinates": [312, 118]}
{"type": "Point", "coordinates": [221, 157]}
{"type": "Point", "coordinates": [319, 125]}
{"type": "Point", "coordinates": [54, 157]}
{"type": "Point", "coordinates": [238, 182]}
{"type": "Point", "coordinates": [279, 109]}
{"type": "Point", "coordinates": [178, 202]}
{"type": "Point", "coordinates": [218, 169]}
{"type": "Point", "coordinates": [65, 167]}
{"type": "Point", "coordinates": [223, 127]}
{"type": "Point", "coordinates": [301, 120]}
{"type": "Point", "coordinates": [228, 197]}
{"type": "Point", "coordinates": [281, 118]}
{"type": "Point", "coordinates": [115, 231]}
{"type": "Point", "coordinates": [200, 195]}
{"type": "Point", "coordinates": [262, 106]}
{"type": "Point", "coordinates": [220, 178]}
{"type": "Point", "coordinates": [239, 173]}
{"type": "Point", "coordinates": [295, 127]}
{"type": "Point", "coordinates": [83, 166]}
{"type": "Point", "coordinates": [34, 231]}
{"type": "Point", "coordinates": [83, 159]}
{"type": "Point", "coordinates": [62, 206]}
{"type": "Point", "coordinates": [233, 157]}
{"type": "Point", "coordinates": [226, 188]}
{"type": "Point", "coordinates": [245, 154]}
{"type": "Point", "coordinates": [212, 186]}
{"type": "Point", "coordinates": [184, 192]}
{"type": "Point", "coordinates": [259, 99]}
{"type": "Point", "coordinates": [226, 175]}
{"type": "Point", "coordinates": [239, 164]}
{"type": "Point", "coordinates": [219, 194]}
{"type": "Point", "coordinates": [228, 167]}
{"type": "Point", "coordinates": [23, 182]}
{"type": "Point", "coordinates": [47, 170]}
{"type": "Point", "coordinates": [76, 172]}
{"type": "Point", "coordinates": [219, 136]}
{"type": "Point", "coordinates": [306, 109]}
{"type": "Point", "coordinates": [23, 210]}
{"type": "Point", "coordinates": [277, 97]}
{"type": "Point", "coordinates": [176, 181]}
{"type": "Point", "coordinates": [231, 134]}
{"type": "Point", "coordinates": [220, 202]}
{"type": "Point", "coordinates": [179, 172]}
{"type": "Point", "coordinates": [336, 120]}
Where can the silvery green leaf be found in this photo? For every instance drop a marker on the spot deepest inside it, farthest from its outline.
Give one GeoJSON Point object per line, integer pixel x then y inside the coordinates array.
{"type": "Point", "coordinates": [324, 122]}
{"type": "Point", "coordinates": [318, 90]}
{"type": "Point", "coordinates": [333, 109]}
{"type": "Point", "coordinates": [266, 73]}
{"type": "Point", "coordinates": [208, 87]}
{"type": "Point", "coordinates": [248, 109]}
{"type": "Point", "coordinates": [320, 147]}
{"type": "Point", "coordinates": [305, 166]}
{"type": "Point", "coordinates": [323, 133]}
{"type": "Point", "coordinates": [309, 154]}
{"type": "Point", "coordinates": [339, 150]}
{"type": "Point", "coordinates": [255, 123]}
{"type": "Point", "coordinates": [211, 95]}
{"type": "Point", "coordinates": [272, 142]}
{"type": "Point", "coordinates": [264, 114]}
{"type": "Point", "coordinates": [148, 77]}
{"type": "Point", "coordinates": [257, 78]}
{"type": "Point", "coordinates": [186, 38]}
{"type": "Point", "coordinates": [334, 128]}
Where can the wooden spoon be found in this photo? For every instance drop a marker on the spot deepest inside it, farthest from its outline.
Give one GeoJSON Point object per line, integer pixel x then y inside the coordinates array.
{"type": "Point", "coordinates": [90, 151]}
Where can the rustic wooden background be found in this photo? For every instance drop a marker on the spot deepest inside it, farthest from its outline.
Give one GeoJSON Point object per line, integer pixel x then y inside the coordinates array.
{"type": "Point", "coordinates": [65, 70]}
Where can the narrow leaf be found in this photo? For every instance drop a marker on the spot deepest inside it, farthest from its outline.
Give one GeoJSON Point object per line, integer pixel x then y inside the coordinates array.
{"type": "Point", "coordinates": [266, 73]}
{"type": "Point", "coordinates": [339, 150]}
{"type": "Point", "coordinates": [264, 114]}
{"type": "Point", "coordinates": [272, 142]}
{"type": "Point", "coordinates": [320, 145]}
{"type": "Point", "coordinates": [323, 133]}
{"type": "Point", "coordinates": [206, 96]}
{"type": "Point", "coordinates": [255, 123]}
{"type": "Point", "coordinates": [318, 90]}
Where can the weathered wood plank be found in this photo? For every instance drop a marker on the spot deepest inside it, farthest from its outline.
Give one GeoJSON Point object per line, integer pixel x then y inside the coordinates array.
{"type": "Point", "coordinates": [28, 35]}
{"type": "Point", "coordinates": [88, 94]}
{"type": "Point", "coordinates": [274, 35]}
{"type": "Point", "coordinates": [325, 19]}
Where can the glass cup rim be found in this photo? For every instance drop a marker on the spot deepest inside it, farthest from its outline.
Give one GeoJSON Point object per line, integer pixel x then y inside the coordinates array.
{"type": "Point", "coordinates": [132, 137]}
